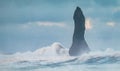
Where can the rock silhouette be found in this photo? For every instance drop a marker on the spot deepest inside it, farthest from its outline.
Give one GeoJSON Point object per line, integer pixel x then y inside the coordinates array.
{"type": "Point", "coordinates": [79, 45]}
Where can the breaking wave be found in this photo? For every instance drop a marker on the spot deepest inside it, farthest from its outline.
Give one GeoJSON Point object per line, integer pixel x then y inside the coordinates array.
{"type": "Point", "coordinates": [57, 55]}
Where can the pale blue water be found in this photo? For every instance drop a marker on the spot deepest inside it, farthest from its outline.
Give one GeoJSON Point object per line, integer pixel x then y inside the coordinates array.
{"type": "Point", "coordinates": [56, 58]}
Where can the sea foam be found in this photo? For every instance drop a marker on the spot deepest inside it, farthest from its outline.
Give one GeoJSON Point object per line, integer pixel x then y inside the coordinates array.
{"type": "Point", "coordinates": [56, 53]}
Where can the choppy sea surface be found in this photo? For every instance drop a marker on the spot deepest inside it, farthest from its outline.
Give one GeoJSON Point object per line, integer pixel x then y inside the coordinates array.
{"type": "Point", "coordinates": [56, 58]}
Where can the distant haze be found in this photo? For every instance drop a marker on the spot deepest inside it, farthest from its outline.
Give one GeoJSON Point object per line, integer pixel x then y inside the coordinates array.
{"type": "Point", "coordinates": [26, 25]}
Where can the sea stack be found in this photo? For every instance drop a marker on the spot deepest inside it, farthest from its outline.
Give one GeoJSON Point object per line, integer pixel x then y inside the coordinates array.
{"type": "Point", "coordinates": [79, 45]}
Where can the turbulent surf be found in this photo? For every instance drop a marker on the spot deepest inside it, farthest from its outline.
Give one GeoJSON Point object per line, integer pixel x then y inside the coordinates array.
{"type": "Point", "coordinates": [57, 57]}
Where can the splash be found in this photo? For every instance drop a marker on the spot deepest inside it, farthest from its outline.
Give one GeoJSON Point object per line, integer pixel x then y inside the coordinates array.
{"type": "Point", "coordinates": [57, 54]}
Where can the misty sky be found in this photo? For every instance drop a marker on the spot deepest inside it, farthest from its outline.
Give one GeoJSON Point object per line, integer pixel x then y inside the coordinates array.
{"type": "Point", "coordinates": [26, 25]}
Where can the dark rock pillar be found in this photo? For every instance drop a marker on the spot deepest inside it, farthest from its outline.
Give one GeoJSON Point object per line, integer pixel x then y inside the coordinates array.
{"type": "Point", "coordinates": [79, 44]}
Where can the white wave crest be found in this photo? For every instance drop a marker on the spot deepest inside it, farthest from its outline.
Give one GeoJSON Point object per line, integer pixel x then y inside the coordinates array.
{"type": "Point", "coordinates": [57, 53]}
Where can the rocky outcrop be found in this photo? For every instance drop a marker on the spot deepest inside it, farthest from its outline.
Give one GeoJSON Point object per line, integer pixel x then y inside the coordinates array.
{"type": "Point", "coordinates": [79, 45]}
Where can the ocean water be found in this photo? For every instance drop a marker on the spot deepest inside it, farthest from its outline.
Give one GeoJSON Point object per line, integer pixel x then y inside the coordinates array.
{"type": "Point", "coordinates": [56, 58]}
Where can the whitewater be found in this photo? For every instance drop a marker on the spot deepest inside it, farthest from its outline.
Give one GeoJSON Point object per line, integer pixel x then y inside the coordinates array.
{"type": "Point", "coordinates": [56, 58]}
